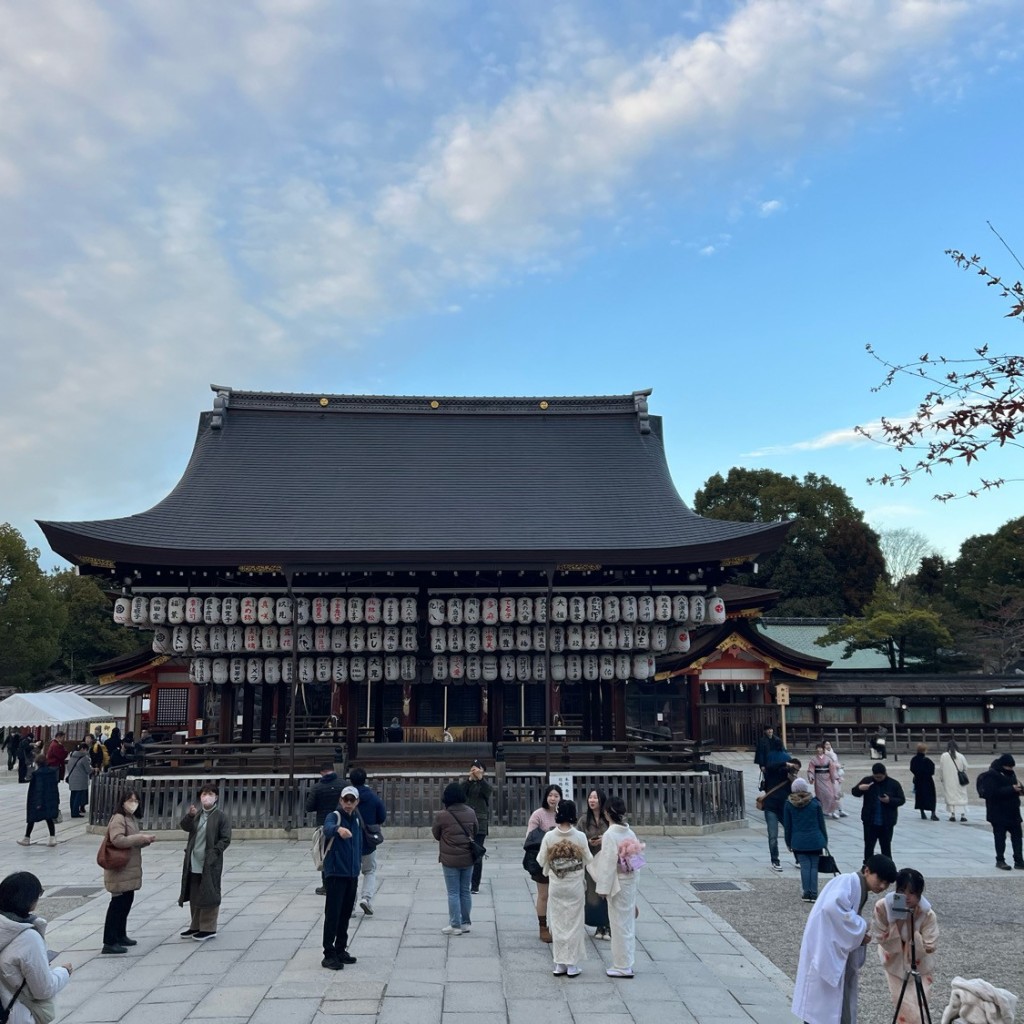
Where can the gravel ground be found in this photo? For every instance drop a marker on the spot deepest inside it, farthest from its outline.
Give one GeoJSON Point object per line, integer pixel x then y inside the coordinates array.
{"type": "Point", "coordinates": [980, 933]}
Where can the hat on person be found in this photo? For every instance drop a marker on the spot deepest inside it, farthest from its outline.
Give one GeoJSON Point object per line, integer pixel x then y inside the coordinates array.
{"type": "Point", "coordinates": [477, 763]}
{"type": "Point", "coordinates": [801, 786]}
{"type": "Point", "coordinates": [350, 791]}
{"type": "Point", "coordinates": [1006, 761]}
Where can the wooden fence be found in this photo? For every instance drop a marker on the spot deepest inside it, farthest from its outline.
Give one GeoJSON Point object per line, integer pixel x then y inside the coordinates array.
{"type": "Point", "coordinates": [264, 802]}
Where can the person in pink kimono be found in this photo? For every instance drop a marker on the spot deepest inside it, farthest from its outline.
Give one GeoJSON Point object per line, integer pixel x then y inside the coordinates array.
{"type": "Point", "coordinates": [822, 775]}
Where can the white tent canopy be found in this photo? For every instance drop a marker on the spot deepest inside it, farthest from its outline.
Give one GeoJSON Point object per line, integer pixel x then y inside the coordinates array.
{"type": "Point", "coordinates": [48, 709]}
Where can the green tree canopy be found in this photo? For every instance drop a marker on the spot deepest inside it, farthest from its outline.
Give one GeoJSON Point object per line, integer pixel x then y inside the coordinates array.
{"type": "Point", "coordinates": [31, 618]}
{"type": "Point", "coordinates": [830, 562]}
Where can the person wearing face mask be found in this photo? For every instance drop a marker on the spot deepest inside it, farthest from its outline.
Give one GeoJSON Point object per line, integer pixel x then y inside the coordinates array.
{"type": "Point", "coordinates": [209, 836]}
{"type": "Point", "coordinates": [122, 883]}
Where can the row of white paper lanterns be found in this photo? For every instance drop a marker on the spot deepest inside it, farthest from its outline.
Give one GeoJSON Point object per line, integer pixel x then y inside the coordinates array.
{"type": "Point", "coordinates": [521, 668]}
{"type": "Point", "coordinates": [145, 611]}
{"type": "Point", "coordinates": [443, 639]}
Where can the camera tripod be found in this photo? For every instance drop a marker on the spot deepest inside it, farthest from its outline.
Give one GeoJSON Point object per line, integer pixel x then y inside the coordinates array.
{"type": "Point", "coordinates": [922, 1001]}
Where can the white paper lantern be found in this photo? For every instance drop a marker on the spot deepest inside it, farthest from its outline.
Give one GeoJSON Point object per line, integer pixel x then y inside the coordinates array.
{"type": "Point", "coordinates": [354, 613]}
{"type": "Point", "coordinates": [302, 611]}
{"type": "Point", "coordinates": [641, 636]}
{"type": "Point", "coordinates": [374, 668]}
{"type": "Point", "coordinates": [577, 609]}
{"type": "Point", "coordinates": [540, 638]}
{"type": "Point", "coordinates": [140, 610]}
{"type": "Point", "coordinates": [320, 611]}
{"type": "Point", "coordinates": [645, 608]}
{"type": "Point", "coordinates": [322, 638]}
{"type": "Point", "coordinates": [236, 671]}
{"type": "Point", "coordinates": [339, 639]}
{"type": "Point", "coordinates": [473, 668]}
{"type": "Point", "coordinates": [489, 611]}
{"type": "Point", "coordinates": [679, 640]}
{"type": "Point", "coordinates": [641, 667]}
{"type": "Point", "coordinates": [574, 638]}
{"type": "Point", "coordinates": [436, 611]}
{"type": "Point", "coordinates": [680, 607]}
{"type": "Point", "coordinates": [607, 667]}
{"type": "Point", "coordinates": [410, 641]}
{"type": "Point", "coordinates": [175, 610]}
{"type": "Point", "coordinates": [408, 668]}
{"type": "Point", "coordinates": [540, 609]}
{"type": "Point", "coordinates": [715, 610]}
{"type": "Point", "coordinates": [392, 635]}
{"type": "Point", "coordinates": [453, 611]}
{"type": "Point", "coordinates": [659, 638]}
{"type": "Point", "coordinates": [375, 638]}
{"type": "Point", "coordinates": [457, 666]}
{"type": "Point", "coordinates": [524, 666]}
{"type": "Point", "coordinates": [193, 610]}
{"type": "Point", "coordinates": [268, 638]}
{"type": "Point", "coordinates": [410, 612]}
{"type": "Point", "coordinates": [286, 638]}
{"type": "Point", "coordinates": [524, 610]}
{"type": "Point", "coordinates": [220, 671]}
{"type": "Point", "coordinates": [356, 638]}
{"type": "Point", "coordinates": [357, 670]}
{"type": "Point", "coordinates": [611, 608]}
{"type": "Point", "coordinates": [266, 610]}
{"type": "Point", "coordinates": [608, 641]}
{"type": "Point", "coordinates": [200, 638]}
{"type": "Point", "coordinates": [454, 638]}
{"type": "Point", "coordinates": [272, 671]}
{"type": "Point", "coordinates": [663, 608]}
{"type": "Point", "coordinates": [392, 669]}
{"type": "Point", "coordinates": [489, 639]}
{"type": "Point", "coordinates": [391, 611]}
{"type": "Point", "coordinates": [235, 638]}
{"type": "Point", "coordinates": [591, 667]}
{"type": "Point", "coordinates": [229, 611]}
{"type": "Point", "coordinates": [218, 638]}
{"type": "Point", "coordinates": [339, 670]}
{"type": "Point", "coordinates": [507, 667]}
{"type": "Point", "coordinates": [539, 669]}
{"type": "Point", "coordinates": [471, 611]}
{"type": "Point", "coordinates": [339, 616]}
{"type": "Point", "coordinates": [557, 636]}
{"type": "Point", "coordinates": [283, 611]}
{"type": "Point", "coordinates": [489, 668]}
{"type": "Point", "coordinates": [573, 668]}
{"type": "Point", "coordinates": [506, 639]}
{"type": "Point", "coordinates": [506, 609]}
{"type": "Point", "coordinates": [624, 636]}
{"type": "Point", "coordinates": [557, 668]}
{"type": "Point", "coordinates": [181, 639]}
{"type": "Point", "coordinates": [627, 608]}
{"type": "Point", "coordinates": [201, 671]}
{"type": "Point", "coordinates": [440, 668]}
{"type": "Point", "coordinates": [254, 670]}
{"type": "Point", "coordinates": [623, 665]}
{"type": "Point", "coordinates": [471, 638]}
{"type": "Point", "coordinates": [158, 610]}
{"type": "Point", "coordinates": [595, 608]}
{"type": "Point", "coordinates": [559, 609]}
{"type": "Point", "coordinates": [304, 639]}
{"type": "Point", "coordinates": [372, 611]}
{"type": "Point", "coordinates": [698, 609]}
{"type": "Point", "coordinates": [524, 638]}
{"type": "Point", "coordinates": [591, 637]}
{"type": "Point", "coordinates": [287, 671]}
{"type": "Point", "coordinates": [246, 611]}
{"type": "Point", "coordinates": [438, 640]}
{"type": "Point", "coordinates": [161, 640]}
{"type": "Point", "coordinates": [307, 670]}
{"type": "Point", "coordinates": [122, 611]}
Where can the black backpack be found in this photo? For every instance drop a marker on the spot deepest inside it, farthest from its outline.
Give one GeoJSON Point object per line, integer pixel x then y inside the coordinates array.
{"type": "Point", "coordinates": [982, 784]}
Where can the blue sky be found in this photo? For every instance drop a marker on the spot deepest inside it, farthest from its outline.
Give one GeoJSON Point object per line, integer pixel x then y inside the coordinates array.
{"type": "Point", "coordinates": [723, 201]}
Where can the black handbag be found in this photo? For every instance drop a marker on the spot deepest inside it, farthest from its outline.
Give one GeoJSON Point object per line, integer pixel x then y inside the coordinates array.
{"type": "Point", "coordinates": [476, 848]}
{"type": "Point", "coordinates": [962, 777]}
{"type": "Point", "coordinates": [532, 847]}
{"type": "Point", "coordinates": [372, 836]}
{"type": "Point", "coordinates": [827, 864]}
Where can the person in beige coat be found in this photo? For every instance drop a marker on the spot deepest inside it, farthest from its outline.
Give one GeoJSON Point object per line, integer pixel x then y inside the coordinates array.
{"type": "Point", "coordinates": [123, 832]}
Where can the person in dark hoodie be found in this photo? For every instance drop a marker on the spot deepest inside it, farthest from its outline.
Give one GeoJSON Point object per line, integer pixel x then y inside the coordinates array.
{"type": "Point", "coordinates": [43, 802]}
{"type": "Point", "coordinates": [321, 800]}
{"type": "Point", "coordinates": [882, 797]}
{"type": "Point", "coordinates": [779, 771]}
{"type": "Point", "coordinates": [1001, 790]}
{"type": "Point", "coordinates": [343, 830]}
{"type": "Point", "coordinates": [806, 835]}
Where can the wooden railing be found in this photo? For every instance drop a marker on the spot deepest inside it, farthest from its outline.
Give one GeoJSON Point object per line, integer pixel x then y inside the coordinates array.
{"type": "Point", "coordinates": [990, 738]}
{"type": "Point", "coordinates": [697, 799]}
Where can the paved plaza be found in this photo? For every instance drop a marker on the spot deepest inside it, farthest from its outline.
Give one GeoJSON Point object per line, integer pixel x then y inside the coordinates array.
{"type": "Point", "coordinates": [721, 956]}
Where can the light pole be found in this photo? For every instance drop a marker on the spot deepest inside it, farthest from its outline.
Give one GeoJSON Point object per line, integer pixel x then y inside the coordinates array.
{"type": "Point", "coordinates": [893, 703]}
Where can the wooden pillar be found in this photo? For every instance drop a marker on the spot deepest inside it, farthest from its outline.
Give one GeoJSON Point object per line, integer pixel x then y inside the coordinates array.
{"type": "Point", "coordinates": [495, 693]}
{"type": "Point", "coordinates": [556, 702]}
{"type": "Point", "coordinates": [378, 711]}
{"type": "Point", "coordinates": [351, 725]}
{"type": "Point", "coordinates": [226, 732]}
{"type": "Point", "coordinates": [618, 710]}
{"type": "Point", "coordinates": [336, 701]}
{"type": "Point", "coordinates": [266, 712]}
{"type": "Point", "coordinates": [694, 705]}
{"type": "Point", "coordinates": [248, 712]}
{"type": "Point", "coordinates": [283, 703]}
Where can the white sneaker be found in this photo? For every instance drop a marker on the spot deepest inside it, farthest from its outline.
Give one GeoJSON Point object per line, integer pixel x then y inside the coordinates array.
{"type": "Point", "coordinates": [842, 813]}
{"type": "Point", "coordinates": [466, 927]}
{"type": "Point", "coordinates": [776, 866]}
{"type": "Point", "coordinates": [836, 815]}
{"type": "Point", "coordinates": [24, 841]}
{"type": "Point", "coordinates": [449, 930]}
{"type": "Point", "coordinates": [52, 841]}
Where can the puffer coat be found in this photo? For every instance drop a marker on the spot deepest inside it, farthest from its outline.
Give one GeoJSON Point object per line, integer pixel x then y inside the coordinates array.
{"type": "Point", "coordinates": [804, 824]}
{"type": "Point", "coordinates": [43, 798]}
{"type": "Point", "coordinates": [124, 833]}
{"type": "Point", "coordinates": [453, 828]}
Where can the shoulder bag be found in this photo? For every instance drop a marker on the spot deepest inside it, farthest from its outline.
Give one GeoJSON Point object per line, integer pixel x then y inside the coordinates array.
{"type": "Point", "coordinates": [962, 777]}
{"type": "Point", "coordinates": [372, 836]}
{"type": "Point", "coordinates": [532, 847]}
{"type": "Point", "coordinates": [111, 857]}
{"type": "Point", "coordinates": [759, 801]}
{"type": "Point", "coordinates": [827, 864]}
{"type": "Point", "coordinates": [476, 848]}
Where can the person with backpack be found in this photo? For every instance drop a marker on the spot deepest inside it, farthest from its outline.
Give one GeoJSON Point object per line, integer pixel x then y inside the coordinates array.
{"type": "Point", "coordinates": [321, 800]}
{"type": "Point", "coordinates": [1000, 789]}
{"type": "Point", "coordinates": [373, 814]}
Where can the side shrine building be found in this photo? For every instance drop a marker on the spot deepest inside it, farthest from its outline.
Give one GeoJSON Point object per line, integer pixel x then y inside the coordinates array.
{"type": "Point", "coordinates": [472, 566]}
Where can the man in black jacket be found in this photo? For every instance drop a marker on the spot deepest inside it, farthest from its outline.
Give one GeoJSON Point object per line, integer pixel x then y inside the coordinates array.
{"type": "Point", "coordinates": [374, 814]}
{"type": "Point", "coordinates": [1002, 808]}
{"type": "Point", "coordinates": [322, 799]}
{"type": "Point", "coordinates": [478, 796]}
{"type": "Point", "coordinates": [882, 798]}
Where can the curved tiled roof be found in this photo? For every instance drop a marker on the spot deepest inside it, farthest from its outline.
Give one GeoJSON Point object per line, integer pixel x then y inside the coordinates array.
{"type": "Point", "coordinates": [364, 480]}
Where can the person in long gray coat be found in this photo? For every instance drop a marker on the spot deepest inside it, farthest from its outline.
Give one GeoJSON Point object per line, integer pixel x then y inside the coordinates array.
{"type": "Point", "coordinates": [79, 774]}
{"type": "Point", "coordinates": [209, 836]}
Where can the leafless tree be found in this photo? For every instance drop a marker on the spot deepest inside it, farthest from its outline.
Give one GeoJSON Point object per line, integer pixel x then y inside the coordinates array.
{"type": "Point", "coordinates": [903, 549]}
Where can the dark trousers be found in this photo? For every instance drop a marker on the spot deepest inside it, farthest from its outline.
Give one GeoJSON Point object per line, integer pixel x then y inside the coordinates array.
{"type": "Point", "coordinates": [478, 867]}
{"type": "Point", "coordinates": [49, 824]}
{"type": "Point", "coordinates": [79, 798]}
{"type": "Point", "coordinates": [116, 924]}
{"type": "Point", "coordinates": [11, 758]}
{"type": "Point", "coordinates": [22, 770]}
{"type": "Point", "coordinates": [338, 904]}
{"type": "Point", "coordinates": [881, 834]}
{"type": "Point", "coordinates": [1000, 832]}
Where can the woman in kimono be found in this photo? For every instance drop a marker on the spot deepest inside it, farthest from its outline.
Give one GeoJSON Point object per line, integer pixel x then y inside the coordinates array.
{"type": "Point", "coordinates": [922, 767]}
{"type": "Point", "coordinates": [892, 933]}
{"type": "Point", "coordinates": [564, 854]}
{"type": "Point", "coordinates": [951, 764]}
{"type": "Point", "coordinates": [594, 825]}
{"type": "Point", "coordinates": [618, 887]}
{"type": "Point", "coordinates": [822, 775]}
{"type": "Point", "coordinates": [840, 772]}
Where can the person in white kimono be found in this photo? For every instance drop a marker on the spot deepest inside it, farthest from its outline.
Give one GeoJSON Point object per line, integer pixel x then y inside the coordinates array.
{"type": "Point", "coordinates": [564, 854]}
{"type": "Point", "coordinates": [956, 796]}
{"type": "Point", "coordinates": [832, 949]}
{"type": "Point", "coordinates": [618, 887]}
{"type": "Point", "coordinates": [891, 931]}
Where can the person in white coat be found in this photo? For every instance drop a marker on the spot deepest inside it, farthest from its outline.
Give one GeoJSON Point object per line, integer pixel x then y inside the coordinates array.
{"type": "Point", "coordinates": [564, 855]}
{"type": "Point", "coordinates": [618, 887]}
{"type": "Point", "coordinates": [25, 968]}
{"type": "Point", "coordinates": [832, 949]}
{"type": "Point", "coordinates": [951, 764]}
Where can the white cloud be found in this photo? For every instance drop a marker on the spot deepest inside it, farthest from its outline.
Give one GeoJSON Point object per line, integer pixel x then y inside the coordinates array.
{"type": "Point", "coordinates": [766, 209]}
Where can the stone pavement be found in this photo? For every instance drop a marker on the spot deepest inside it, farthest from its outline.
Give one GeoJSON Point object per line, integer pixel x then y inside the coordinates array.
{"type": "Point", "coordinates": [264, 964]}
